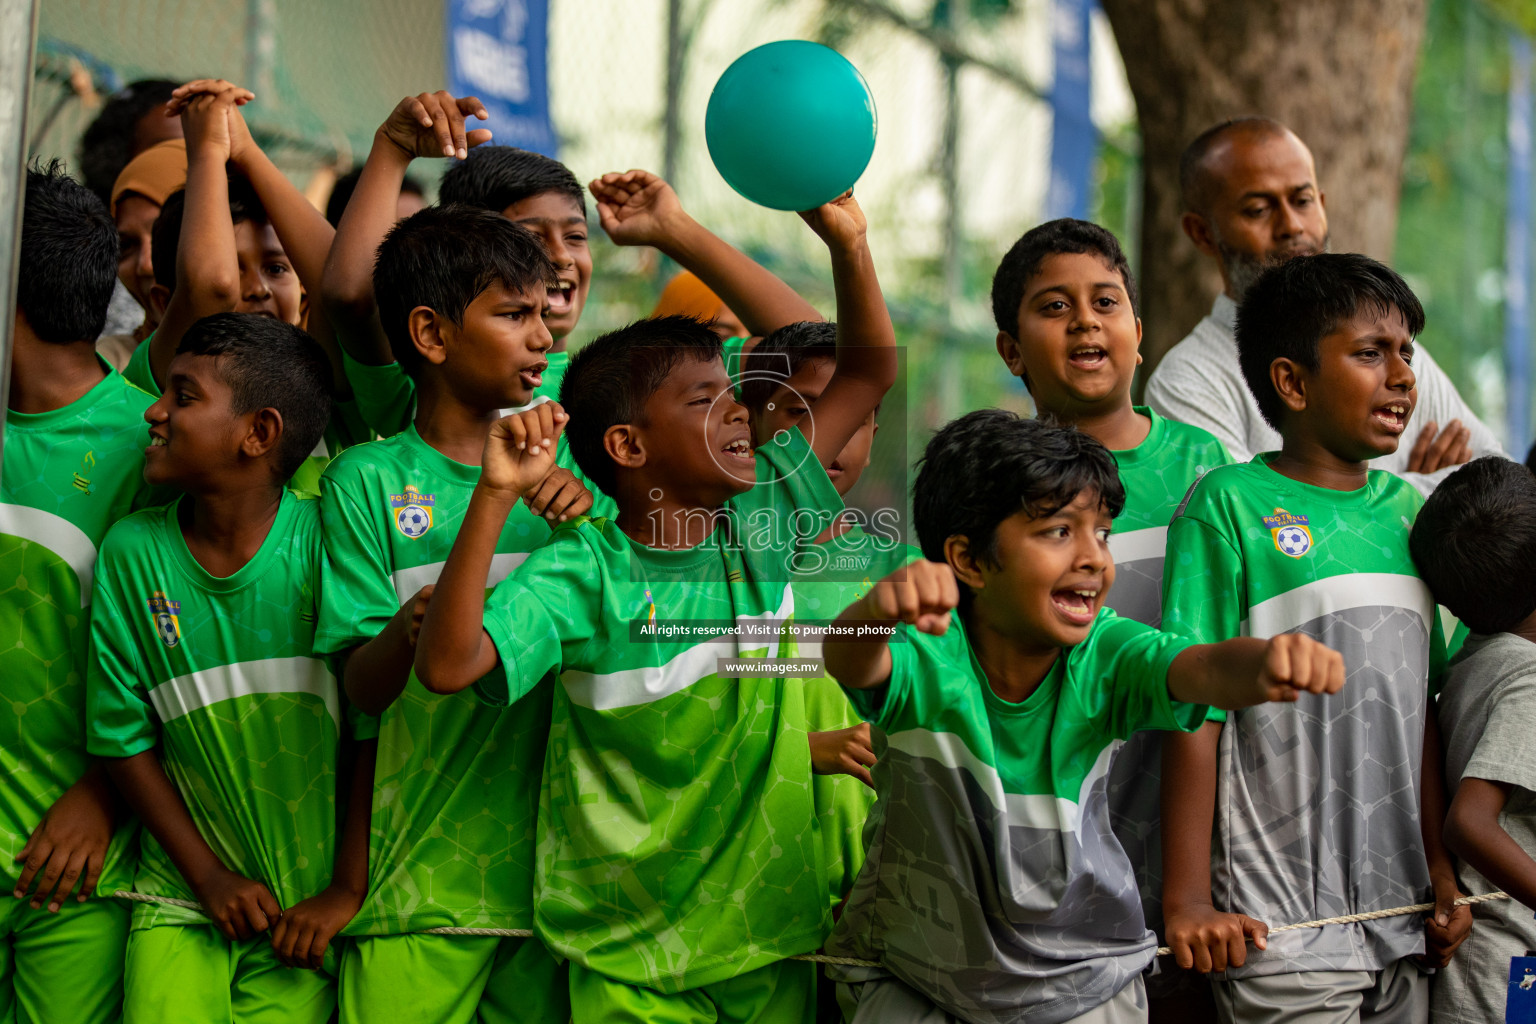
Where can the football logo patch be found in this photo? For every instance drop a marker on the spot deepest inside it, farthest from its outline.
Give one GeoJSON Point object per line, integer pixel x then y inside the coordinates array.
{"type": "Point", "coordinates": [167, 616]}
{"type": "Point", "coordinates": [1291, 533]}
{"type": "Point", "coordinates": [413, 512]}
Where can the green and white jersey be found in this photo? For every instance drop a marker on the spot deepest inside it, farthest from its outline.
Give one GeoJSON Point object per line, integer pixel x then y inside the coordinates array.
{"type": "Point", "coordinates": [68, 476]}
{"type": "Point", "coordinates": [678, 839]}
{"type": "Point", "coordinates": [218, 673]}
{"type": "Point", "coordinates": [993, 884]}
{"type": "Point", "coordinates": [456, 786]}
{"type": "Point", "coordinates": [1157, 474]}
{"type": "Point", "coordinates": [1317, 811]}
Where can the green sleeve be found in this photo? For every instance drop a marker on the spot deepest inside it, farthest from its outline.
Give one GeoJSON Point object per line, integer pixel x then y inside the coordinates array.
{"type": "Point", "coordinates": [882, 705]}
{"type": "Point", "coordinates": [363, 725]}
{"type": "Point", "coordinates": [1127, 678]}
{"type": "Point", "coordinates": [543, 615]}
{"type": "Point", "coordinates": [357, 592]}
{"type": "Point", "coordinates": [1203, 591]}
{"type": "Point", "coordinates": [119, 720]}
{"type": "Point", "coordinates": [385, 396]}
{"type": "Point", "coordinates": [138, 370]}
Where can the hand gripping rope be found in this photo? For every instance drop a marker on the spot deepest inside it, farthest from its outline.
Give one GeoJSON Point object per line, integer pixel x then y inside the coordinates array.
{"type": "Point", "coordinates": [524, 933]}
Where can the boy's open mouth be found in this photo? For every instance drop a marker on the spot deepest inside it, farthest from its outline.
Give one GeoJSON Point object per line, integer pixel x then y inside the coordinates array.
{"type": "Point", "coordinates": [562, 298]}
{"type": "Point", "coordinates": [533, 376]}
{"type": "Point", "coordinates": [1088, 357]}
{"type": "Point", "coordinates": [740, 448]}
{"type": "Point", "coordinates": [1394, 416]}
{"type": "Point", "coordinates": [156, 441]}
{"type": "Point", "coordinates": [1077, 605]}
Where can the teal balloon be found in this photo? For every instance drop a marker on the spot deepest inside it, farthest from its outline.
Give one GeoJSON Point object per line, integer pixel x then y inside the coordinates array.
{"type": "Point", "coordinates": [791, 125]}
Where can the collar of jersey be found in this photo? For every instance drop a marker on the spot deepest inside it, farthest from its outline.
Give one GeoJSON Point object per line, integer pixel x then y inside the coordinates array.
{"type": "Point", "coordinates": [101, 392]}
{"type": "Point", "coordinates": [1312, 493]}
{"type": "Point", "coordinates": [248, 573]}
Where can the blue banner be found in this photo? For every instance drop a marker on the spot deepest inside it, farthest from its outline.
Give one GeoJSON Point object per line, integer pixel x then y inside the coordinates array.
{"type": "Point", "coordinates": [1074, 139]}
{"type": "Point", "coordinates": [498, 51]}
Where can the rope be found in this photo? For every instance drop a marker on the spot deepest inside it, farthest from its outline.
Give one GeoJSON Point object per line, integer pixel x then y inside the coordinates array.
{"type": "Point", "coordinates": [845, 961]}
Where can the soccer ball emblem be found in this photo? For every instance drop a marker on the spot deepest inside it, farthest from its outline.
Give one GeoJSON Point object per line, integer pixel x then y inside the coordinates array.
{"type": "Point", "coordinates": [166, 627]}
{"type": "Point", "coordinates": [1293, 541]}
{"type": "Point", "coordinates": [413, 521]}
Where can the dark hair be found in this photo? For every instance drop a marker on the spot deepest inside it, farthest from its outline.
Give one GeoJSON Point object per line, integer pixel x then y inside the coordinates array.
{"type": "Point", "coordinates": [165, 237]}
{"type": "Point", "coordinates": [780, 355]}
{"type": "Point", "coordinates": [108, 144]}
{"type": "Point", "coordinates": [67, 262]}
{"type": "Point", "coordinates": [609, 381]}
{"type": "Point", "coordinates": [1475, 543]}
{"type": "Point", "coordinates": [1053, 238]}
{"type": "Point", "coordinates": [341, 193]}
{"type": "Point", "coordinates": [442, 257]}
{"type": "Point", "coordinates": [987, 465]}
{"type": "Point", "coordinates": [1294, 305]}
{"type": "Point", "coordinates": [495, 177]}
{"type": "Point", "coordinates": [1195, 179]}
{"type": "Point", "coordinates": [270, 364]}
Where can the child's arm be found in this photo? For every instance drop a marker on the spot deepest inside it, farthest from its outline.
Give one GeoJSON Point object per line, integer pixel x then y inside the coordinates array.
{"type": "Point", "coordinates": [304, 933]}
{"type": "Point", "coordinates": [844, 752]}
{"type": "Point", "coordinates": [1246, 670]}
{"type": "Point", "coordinates": [866, 341]}
{"type": "Point", "coordinates": [639, 208]}
{"type": "Point", "coordinates": [70, 842]}
{"type": "Point", "coordinates": [1473, 833]}
{"type": "Point", "coordinates": [428, 125]}
{"type": "Point", "coordinates": [454, 649]}
{"type": "Point", "coordinates": [1449, 925]}
{"type": "Point", "coordinates": [238, 906]}
{"type": "Point", "coordinates": [1200, 936]}
{"type": "Point", "coordinates": [375, 672]}
{"type": "Point", "coordinates": [207, 266]}
{"type": "Point", "coordinates": [921, 594]}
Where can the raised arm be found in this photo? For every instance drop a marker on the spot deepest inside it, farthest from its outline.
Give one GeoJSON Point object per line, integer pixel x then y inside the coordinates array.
{"type": "Point", "coordinates": [428, 125]}
{"type": "Point", "coordinates": [921, 594]}
{"type": "Point", "coordinates": [639, 208]}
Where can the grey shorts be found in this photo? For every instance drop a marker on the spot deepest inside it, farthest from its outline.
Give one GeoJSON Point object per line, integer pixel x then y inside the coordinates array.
{"type": "Point", "coordinates": [1398, 994]}
{"type": "Point", "coordinates": [889, 1001]}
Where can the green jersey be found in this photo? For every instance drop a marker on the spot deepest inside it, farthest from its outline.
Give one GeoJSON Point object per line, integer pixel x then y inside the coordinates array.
{"type": "Point", "coordinates": [68, 476]}
{"type": "Point", "coordinates": [993, 883]}
{"type": "Point", "coordinates": [678, 839]}
{"type": "Point", "coordinates": [218, 673]}
{"type": "Point", "coordinates": [1254, 553]}
{"type": "Point", "coordinates": [456, 785]}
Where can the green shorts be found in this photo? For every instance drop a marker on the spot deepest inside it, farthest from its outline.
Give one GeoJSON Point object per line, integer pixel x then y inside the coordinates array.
{"type": "Point", "coordinates": [781, 993]}
{"type": "Point", "coordinates": [193, 974]}
{"type": "Point", "coordinates": [451, 979]}
{"type": "Point", "coordinates": [63, 968]}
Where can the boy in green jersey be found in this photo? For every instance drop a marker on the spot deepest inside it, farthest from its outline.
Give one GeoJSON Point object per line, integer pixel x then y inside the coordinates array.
{"type": "Point", "coordinates": [678, 860]}
{"type": "Point", "coordinates": [994, 889]}
{"type": "Point", "coordinates": [540, 194]}
{"type": "Point", "coordinates": [74, 441]}
{"type": "Point", "coordinates": [1065, 304]}
{"type": "Point", "coordinates": [1325, 808]}
{"type": "Point", "coordinates": [215, 719]}
{"type": "Point", "coordinates": [462, 292]}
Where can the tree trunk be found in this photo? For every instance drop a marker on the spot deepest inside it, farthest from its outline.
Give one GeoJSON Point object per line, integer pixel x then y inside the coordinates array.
{"type": "Point", "coordinates": [1338, 74]}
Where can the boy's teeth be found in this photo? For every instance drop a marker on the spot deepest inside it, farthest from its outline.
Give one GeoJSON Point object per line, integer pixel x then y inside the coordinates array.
{"type": "Point", "coordinates": [1086, 593]}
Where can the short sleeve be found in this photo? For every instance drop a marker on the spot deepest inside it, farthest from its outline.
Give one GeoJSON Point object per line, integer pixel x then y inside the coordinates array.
{"type": "Point", "coordinates": [362, 725]}
{"type": "Point", "coordinates": [385, 395]}
{"type": "Point", "coordinates": [880, 705]}
{"type": "Point", "coordinates": [1203, 593]}
{"type": "Point", "coordinates": [1123, 667]}
{"type": "Point", "coordinates": [138, 371]}
{"type": "Point", "coordinates": [543, 614]}
{"type": "Point", "coordinates": [119, 720]}
{"type": "Point", "coordinates": [357, 593]}
{"type": "Point", "coordinates": [1504, 752]}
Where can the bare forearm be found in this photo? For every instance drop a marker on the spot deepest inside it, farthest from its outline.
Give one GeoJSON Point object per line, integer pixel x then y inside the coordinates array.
{"type": "Point", "coordinates": [207, 266]}
{"type": "Point", "coordinates": [305, 233]}
{"type": "Point", "coordinates": [351, 870]}
{"type": "Point", "coordinates": [347, 283]}
{"type": "Point", "coordinates": [1222, 674]}
{"type": "Point", "coordinates": [158, 803]}
{"type": "Point", "coordinates": [1433, 805]}
{"type": "Point", "coordinates": [859, 664]}
{"type": "Point", "coordinates": [377, 671]}
{"type": "Point", "coordinates": [453, 649]}
{"type": "Point", "coordinates": [756, 295]}
{"type": "Point", "coordinates": [1188, 814]}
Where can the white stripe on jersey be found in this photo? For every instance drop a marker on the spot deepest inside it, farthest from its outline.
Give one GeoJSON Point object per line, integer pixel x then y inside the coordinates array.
{"type": "Point", "coordinates": [1135, 545]}
{"type": "Point", "coordinates": [177, 697]}
{"type": "Point", "coordinates": [634, 686]}
{"type": "Point", "coordinates": [408, 581]}
{"type": "Point", "coordinates": [58, 535]}
{"type": "Point", "coordinates": [1313, 600]}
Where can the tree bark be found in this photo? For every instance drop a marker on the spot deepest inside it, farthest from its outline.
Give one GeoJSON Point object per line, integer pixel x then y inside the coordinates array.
{"type": "Point", "coordinates": [1340, 75]}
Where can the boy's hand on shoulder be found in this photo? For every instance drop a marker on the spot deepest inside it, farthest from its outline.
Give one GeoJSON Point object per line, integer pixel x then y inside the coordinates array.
{"type": "Point", "coordinates": [238, 906]}
{"type": "Point", "coordinates": [413, 611]}
{"type": "Point", "coordinates": [520, 450]}
{"type": "Point", "coordinates": [204, 107]}
{"type": "Point", "coordinates": [1296, 664]}
{"type": "Point", "coordinates": [637, 208]}
{"type": "Point", "coordinates": [1205, 939]}
{"type": "Point", "coordinates": [844, 752]}
{"type": "Point", "coordinates": [304, 933]}
{"type": "Point", "coordinates": [840, 223]}
{"type": "Point", "coordinates": [559, 496]}
{"type": "Point", "coordinates": [1447, 926]}
{"type": "Point", "coordinates": [68, 846]}
{"type": "Point", "coordinates": [922, 594]}
{"type": "Point", "coordinates": [431, 124]}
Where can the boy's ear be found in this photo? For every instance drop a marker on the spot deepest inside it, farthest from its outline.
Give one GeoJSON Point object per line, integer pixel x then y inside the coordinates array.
{"type": "Point", "coordinates": [159, 299]}
{"type": "Point", "coordinates": [1290, 383]}
{"type": "Point", "coordinates": [1013, 355]}
{"type": "Point", "coordinates": [962, 559]}
{"type": "Point", "coordinates": [426, 329]}
{"type": "Point", "coordinates": [1138, 341]}
{"type": "Point", "coordinates": [1199, 231]}
{"type": "Point", "coordinates": [265, 432]}
{"type": "Point", "coordinates": [624, 446]}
